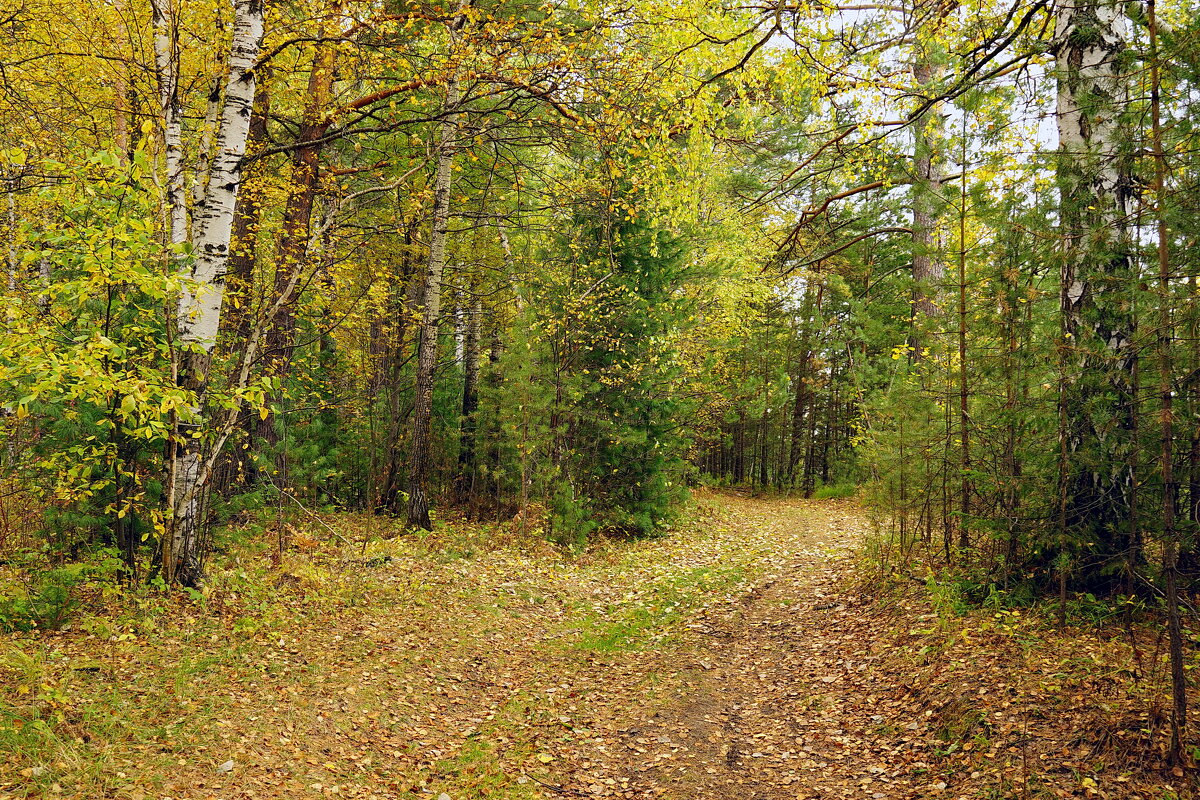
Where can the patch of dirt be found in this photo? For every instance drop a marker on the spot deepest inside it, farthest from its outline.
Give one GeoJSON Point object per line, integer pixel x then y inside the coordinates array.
{"type": "Point", "coordinates": [781, 700]}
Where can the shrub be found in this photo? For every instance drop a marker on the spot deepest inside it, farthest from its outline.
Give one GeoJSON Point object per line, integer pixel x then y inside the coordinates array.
{"type": "Point", "coordinates": [836, 491]}
{"type": "Point", "coordinates": [50, 597]}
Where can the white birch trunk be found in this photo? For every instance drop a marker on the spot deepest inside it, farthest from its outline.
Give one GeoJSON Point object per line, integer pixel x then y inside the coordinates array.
{"type": "Point", "coordinates": [199, 311]}
{"type": "Point", "coordinates": [207, 136]}
{"type": "Point", "coordinates": [1091, 94]}
{"type": "Point", "coordinates": [166, 62]}
{"type": "Point", "coordinates": [1097, 396]}
{"type": "Point", "coordinates": [419, 462]}
{"type": "Point", "coordinates": [1095, 195]}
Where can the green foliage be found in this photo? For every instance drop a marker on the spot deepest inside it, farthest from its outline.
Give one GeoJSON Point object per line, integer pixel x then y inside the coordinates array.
{"type": "Point", "coordinates": [48, 597]}
{"type": "Point", "coordinates": [836, 491]}
{"type": "Point", "coordinates": [908, 426]}
{"type": "Point", "coordinates": [572, 519]}
{"type": "Point", "coordinates": [87, 355]}
{"type": "Point", "coordinates": [627, 446]}
{"type": "Point", "coordinates": [517, 401]}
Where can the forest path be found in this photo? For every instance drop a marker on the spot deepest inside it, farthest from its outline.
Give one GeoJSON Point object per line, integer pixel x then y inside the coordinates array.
{"type": "Point", "coordinates": [722, 661]}
{"type": "Point", "coordinates": [736, 659]}
{"type": "Point", "coordinates": [783, 700]}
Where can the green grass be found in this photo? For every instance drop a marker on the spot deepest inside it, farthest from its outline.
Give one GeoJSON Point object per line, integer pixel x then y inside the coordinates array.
{"type": "Point", "coordinates": [477, 770]}
{"type": "Point", "coordinates": [655, 613]}
{"type": "Point", "coordinates": [835, 491]}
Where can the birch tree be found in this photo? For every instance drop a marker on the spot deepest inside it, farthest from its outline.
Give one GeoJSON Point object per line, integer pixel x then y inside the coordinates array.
{"type": "Point", "coordinates": [420, 450]}
{"type": "Point", "coordinates": [1097, 394]}
{"type": "Point", "coordinates": [198, 314]}
{"type": "Point", "coordinates": [165, 22]}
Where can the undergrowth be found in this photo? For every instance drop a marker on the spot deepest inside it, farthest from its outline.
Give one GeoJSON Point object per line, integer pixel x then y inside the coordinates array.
{"type": "Point", "coordinates": [978, 650]}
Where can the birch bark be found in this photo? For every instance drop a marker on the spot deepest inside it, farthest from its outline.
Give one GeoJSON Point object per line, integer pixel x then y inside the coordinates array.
{"type": "Point", "coordinates": [1097, 400]}
{"type": "Point", "coordinates": [200, 302]}
{"type": "Point", "coordinates": [419, 462]}
{"type": "Point", "coordinates": [166, 63]}
{"type": "Point", "coordinates": [208, 133]}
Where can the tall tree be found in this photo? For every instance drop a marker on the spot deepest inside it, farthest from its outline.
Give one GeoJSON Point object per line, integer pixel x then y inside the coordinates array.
{"type": "Point", "coordinates": [1097, 394]}
{"type": "Point", "coordinates": [928, 269]}
{"type": "Point", "coordinates": [291, 251]}
{"type": "Point", "coordinates": [201, 301]}
{"type": "Point", "coordinates": [1166, 392]}
{"type": "Point", "coordinates": [420, 445]}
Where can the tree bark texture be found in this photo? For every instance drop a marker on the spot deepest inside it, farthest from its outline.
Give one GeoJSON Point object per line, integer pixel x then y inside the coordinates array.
{"type": "Point", "coordinates": [420, 460]}
{"type": "Point", "coordinates": [928, 271]}
{"type": "Point", "coordinates": [166, 63]}
{"type": "Point", "coordinates": [291, 251]}
{"type": "Point", "coordinates": [200, 303]}
{"type": "Point", "coordinates": [1097, 280]}
{"type": "Point", "coordinates": [239, 467]}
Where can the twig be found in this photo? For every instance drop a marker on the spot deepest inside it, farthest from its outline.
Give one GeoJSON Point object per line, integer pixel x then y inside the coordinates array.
{"type": "Point", "coordinates": [305, 509]}
{"type": "Point", "coordinates": [556, 787]}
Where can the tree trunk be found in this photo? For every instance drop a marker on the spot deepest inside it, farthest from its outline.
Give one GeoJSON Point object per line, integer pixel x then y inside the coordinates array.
{"type": "Point", "coordinates": [243, 256]}
{"type": "Point", "coordinates": [739, 449]}
{"type": "Point", "coordinates": [406, 304]}
{"type": "Point", "coordinates": [802, 381]}
{"type": "Point", "coordinates": [928, 271]}
{"type": "Point", "coordinates": [291, 252]}
{"type": "Point", "coordinates": [422, 424]}
{"type": "Point", "coordinates": [1010, 461]}
{"type": "Point", "coordinates": [964, 418]}
{"type": "Point", "coordinates": [240, 468]}
{"type": "Point", "coordinates": [465, 481]}
{"type": "Point", "coordinates": [1166, 399]}
{"type": "Point", "coordinates": [199, 313]}
{"type": "Point", "coordinates": [166, 63]}
{"type": "Point", "coordinates": [208, 134]}
{"type": "Point", "coordinates": [1098, 395]}
{"type": "Point", "coordinates": [808, 483]}
{"type": "Point", "coordinates": [764, 425]}
{"type": "Point", "coordinates": [831, 410]}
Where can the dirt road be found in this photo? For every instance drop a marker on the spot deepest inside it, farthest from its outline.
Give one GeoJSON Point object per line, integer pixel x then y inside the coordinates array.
{"type": "Point", "coordinates": [733, 659]}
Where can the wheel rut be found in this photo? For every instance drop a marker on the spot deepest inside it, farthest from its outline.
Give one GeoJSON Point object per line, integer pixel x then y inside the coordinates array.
{"type": "Point", "coordinates": [781, 700]}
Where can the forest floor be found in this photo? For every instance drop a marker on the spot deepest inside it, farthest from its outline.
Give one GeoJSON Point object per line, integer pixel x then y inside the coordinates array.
{"type": "Point", "coordinates": [750, 655]}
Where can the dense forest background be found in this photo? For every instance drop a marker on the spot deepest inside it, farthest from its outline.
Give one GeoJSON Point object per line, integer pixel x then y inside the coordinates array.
{"type": "Point", "coordinates": [561, 261]}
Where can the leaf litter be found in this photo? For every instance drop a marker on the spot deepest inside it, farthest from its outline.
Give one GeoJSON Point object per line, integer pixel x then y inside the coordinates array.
{"type": "Point", "coordinates": [741, 657]}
